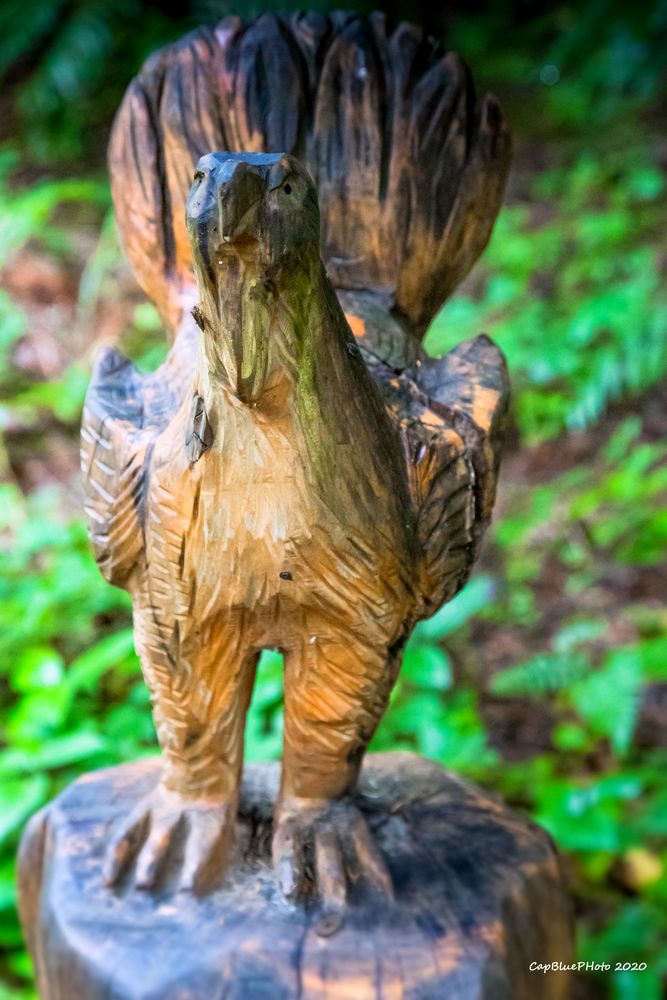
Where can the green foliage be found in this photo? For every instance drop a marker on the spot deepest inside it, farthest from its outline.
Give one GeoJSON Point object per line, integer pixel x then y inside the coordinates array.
{"type": "Point", "coordinates": [68, 672]}
{"type": "Point", "coordinates": [426, 714]}
{"type": "Point", "coordinates": [596, 791]}
{"type": "Point", "coordinates": [578, 301]}
{"type": "Point", "coordinates": [78, 58]}
{"type": "Point", "coordinates": [28, 213]}
{"type": "Point", "coordinates": [583, 66]}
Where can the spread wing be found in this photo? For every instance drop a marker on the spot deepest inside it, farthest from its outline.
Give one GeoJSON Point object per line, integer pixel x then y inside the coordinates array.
{"type": "Point", "coordinates": [124, 413]}
{"type": "Point", "coordinates": [451, 412]}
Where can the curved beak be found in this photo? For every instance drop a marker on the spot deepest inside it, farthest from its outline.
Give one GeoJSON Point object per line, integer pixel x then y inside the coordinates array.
{"type": "Point", "coordinates": [222, 208]}
{"type": "Point", "coordinates": [241, 187]}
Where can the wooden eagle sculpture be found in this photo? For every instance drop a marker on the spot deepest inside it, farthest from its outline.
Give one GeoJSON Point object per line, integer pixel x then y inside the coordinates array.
{"type": "Point", "coordinates": [298, 474]}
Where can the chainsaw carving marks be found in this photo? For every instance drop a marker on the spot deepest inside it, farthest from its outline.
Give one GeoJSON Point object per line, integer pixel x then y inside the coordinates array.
{"type": "Point", "coordinates": [409, 166]}
{"type": "Point", "coordinates": [298, 474]}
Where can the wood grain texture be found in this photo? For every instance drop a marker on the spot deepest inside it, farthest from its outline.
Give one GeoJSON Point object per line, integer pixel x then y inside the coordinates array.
{"type": "Point", "coordinates": [299, 474]}
{"type": "Point", "coordinates": [276, 485]}
{"type": "Point", "coordinates": [410, 167]}
{"type": "Point", "coordinates": [479, 896]}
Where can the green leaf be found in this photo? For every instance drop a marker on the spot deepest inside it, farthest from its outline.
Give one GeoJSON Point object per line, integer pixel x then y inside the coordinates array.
{"type": "Point", "coordinates": [633, 985]}
{"type": "Point", "coordinates": [427, 666]}
{"type": "Point", "coordinates": [474, 597]}
{"type": "Point", "coordinates": [81, 745]}
{"type": "Point", "coordinates": [577, 633]}
{"type": "Point", "coordinates": [38, 667]}
{"type": "Point", "coordinates": [571, 737]}
{"type": "Point", "coordinates": [19, 799]}
{"type": "Point", "coordinates": [609, 699]}
{"type": "Point", "coordinates": [85, 671]}
{"type": "Point", "coordinates": [550, 672]}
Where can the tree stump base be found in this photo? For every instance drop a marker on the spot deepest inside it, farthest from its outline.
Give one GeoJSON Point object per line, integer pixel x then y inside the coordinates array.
{"type": "Point", "coordinates": [479, 896]}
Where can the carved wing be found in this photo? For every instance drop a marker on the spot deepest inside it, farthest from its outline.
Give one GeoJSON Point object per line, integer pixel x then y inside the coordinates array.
{"type": "Point", "coordinates": [451, 412]}
{"type": "Point", "coordinates": [113, 465]}
{"type": "Point", "coordinates": [124, 413]}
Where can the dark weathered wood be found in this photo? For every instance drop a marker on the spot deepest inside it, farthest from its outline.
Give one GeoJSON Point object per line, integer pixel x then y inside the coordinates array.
{"type": "Point", "coordinates": [479, 897]}
{"type": "Point", "coordinates": [410, 167]}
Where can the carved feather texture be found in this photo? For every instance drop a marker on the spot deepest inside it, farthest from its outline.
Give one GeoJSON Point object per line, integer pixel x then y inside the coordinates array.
{"type": "Point", "coordinates": [341, 506]}
{"type": "Point", "coordinates": [410, 168]}
{"type": "Point", "coordinates": [124, 413]}
{"type": "Point", "coordinates": [451, 412]}
{"type": "Point", "coordinates": [113, 450]}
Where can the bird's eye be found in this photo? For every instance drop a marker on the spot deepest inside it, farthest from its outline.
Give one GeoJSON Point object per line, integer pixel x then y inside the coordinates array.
{"type": "Point", "coordinates": [199, 175]}
{"type": "Point", "coordinates": [287, 189]}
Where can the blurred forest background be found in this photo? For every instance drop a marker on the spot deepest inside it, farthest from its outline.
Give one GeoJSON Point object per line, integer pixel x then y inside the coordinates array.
{"type": "Point", "coordinates": [546, 679]}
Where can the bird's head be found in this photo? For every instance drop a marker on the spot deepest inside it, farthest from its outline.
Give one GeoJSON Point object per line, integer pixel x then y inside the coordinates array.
{"type": "Point", "coordinates": [254, 227]}
{"type": "Point", "coordinates": [260, 207]}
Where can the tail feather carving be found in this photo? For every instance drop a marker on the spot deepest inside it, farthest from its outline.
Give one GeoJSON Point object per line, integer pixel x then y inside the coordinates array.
{"type": "Point", "coordinates": [409, 166]}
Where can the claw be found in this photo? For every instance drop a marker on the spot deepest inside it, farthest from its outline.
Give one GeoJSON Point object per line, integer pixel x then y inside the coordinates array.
{"type": "Point", "coordinates": [206, 849]}
{"type": "Point", "coordinates": [370, 859]}
{"type": "Point", "coordinates": [342, 845]}
{"type": "Point", "coordinates": [331, 878]}
{"type": "Point", "coordinates": [156, 829]}
{"type": "Point", "coordinates": [125, 844]}
{"type": "Point", "coordinates": [288, 861]}
{"type": "Point", "coordinates": [153, 854]}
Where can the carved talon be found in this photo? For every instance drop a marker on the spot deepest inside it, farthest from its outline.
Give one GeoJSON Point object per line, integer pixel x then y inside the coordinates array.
{"type": "Point", "coordinates": [334, 839]}
{"type": "Point", "coordinates": [164, 824]}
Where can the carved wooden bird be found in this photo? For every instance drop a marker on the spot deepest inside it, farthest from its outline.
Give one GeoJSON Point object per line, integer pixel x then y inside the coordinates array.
{"type": "Point", "coordinates": [298, 474]}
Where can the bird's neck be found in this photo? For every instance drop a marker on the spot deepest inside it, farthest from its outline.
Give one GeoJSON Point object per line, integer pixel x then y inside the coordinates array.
{"type": "Point", "coordinates": [289, 349]}
{"type": "Point", "coordinates": [260, 329]}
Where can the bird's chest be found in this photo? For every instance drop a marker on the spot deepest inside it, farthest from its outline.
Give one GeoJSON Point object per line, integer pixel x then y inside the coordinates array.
{"type": "Point", "coordinates": [246, 523]}
{"type": "Point", "coordinates": [257, 503]}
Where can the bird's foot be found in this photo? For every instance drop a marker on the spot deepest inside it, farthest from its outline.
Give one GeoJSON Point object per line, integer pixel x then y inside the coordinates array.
{"type": "Point", "coordinates": [167, 831]}
{"type": "Point", "coordinates": [321, 849]}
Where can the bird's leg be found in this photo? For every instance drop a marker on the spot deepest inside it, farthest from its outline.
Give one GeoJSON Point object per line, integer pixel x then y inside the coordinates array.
{"type": "Point", "coordinates": [187, 821]}
{"type": "Point", "coordinates": [335, 693]}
